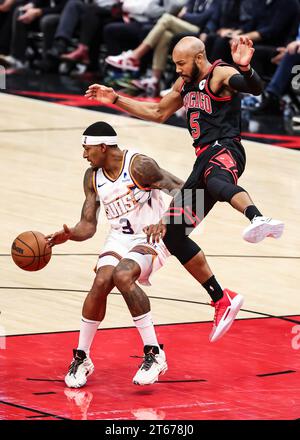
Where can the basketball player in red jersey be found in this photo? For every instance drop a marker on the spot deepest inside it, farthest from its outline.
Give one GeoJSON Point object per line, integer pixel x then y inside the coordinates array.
{"type": "Point", "coordinates": [209, 93]}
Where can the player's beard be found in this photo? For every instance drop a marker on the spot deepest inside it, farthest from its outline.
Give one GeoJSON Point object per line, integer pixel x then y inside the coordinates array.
{"type": "Point", "coordinates": [195, 73]}
{"type": "Point", "coordinates": [194, 76]}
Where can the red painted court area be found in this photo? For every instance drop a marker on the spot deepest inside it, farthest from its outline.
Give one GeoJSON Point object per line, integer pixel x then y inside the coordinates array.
{"type": "Point", "coordinates": [252, 373]}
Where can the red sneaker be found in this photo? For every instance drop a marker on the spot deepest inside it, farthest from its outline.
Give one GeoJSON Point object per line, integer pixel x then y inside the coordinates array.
{"type": "Point", "coordinates": [81, 54]}
{"type": "Point", "coordinates": [226, 310]}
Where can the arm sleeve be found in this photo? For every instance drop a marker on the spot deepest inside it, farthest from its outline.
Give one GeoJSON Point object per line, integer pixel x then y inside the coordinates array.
{"type": "Point", "coordinates": [247, 82]}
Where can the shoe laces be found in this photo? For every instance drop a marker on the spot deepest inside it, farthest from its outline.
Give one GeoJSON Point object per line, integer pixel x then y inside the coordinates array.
{"type": "Point", "coordinates": [219, 309]}
{"type": "Point", "coordinates": [75, 365]}
{"type": "Point", "coordinates": [149, 360]}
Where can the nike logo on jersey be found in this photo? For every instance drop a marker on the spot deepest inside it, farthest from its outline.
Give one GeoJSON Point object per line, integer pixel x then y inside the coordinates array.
{"type": "Point", "coordinates": [99, 186]}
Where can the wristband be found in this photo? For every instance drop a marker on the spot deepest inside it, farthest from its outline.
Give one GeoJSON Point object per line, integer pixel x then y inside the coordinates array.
{"type": "Point", "coordinates": [116, 99]}
{"type": "Point", "coordinates": [247, 73]}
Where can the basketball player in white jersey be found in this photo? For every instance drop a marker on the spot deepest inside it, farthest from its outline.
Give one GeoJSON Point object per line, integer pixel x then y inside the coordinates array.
{"type": "Point", "coordinates": [128, 185]}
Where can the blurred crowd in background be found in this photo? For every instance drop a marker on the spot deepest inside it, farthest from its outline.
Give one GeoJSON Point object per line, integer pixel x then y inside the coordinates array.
{"type": "Point", "coordinates": [128, 44]}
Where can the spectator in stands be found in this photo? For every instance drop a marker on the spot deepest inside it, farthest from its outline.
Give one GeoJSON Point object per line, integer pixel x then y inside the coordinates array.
{"type": "Point", "coordinates": [191, 18]}
{"type": "Point", "coordinates": [274, 23]}
{"type": "Point", "coordinates": [137, 22]}
{"type": "Point", "coordinates": [6, 13]}
{"type": "Point", "coordinates": [281, 80]}
{"type": "Point", "coordinates": [91, 18]}
{"type": "Point", "coordinates": [228, 19]}
{"type": "Point", "coordinates": [40, 15]}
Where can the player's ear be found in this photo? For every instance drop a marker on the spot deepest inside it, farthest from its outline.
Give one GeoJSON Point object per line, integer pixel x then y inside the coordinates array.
{"type": "Point", "coordinates": [103, 147]}
{"type": "Point", "coordinates": [199, 57]}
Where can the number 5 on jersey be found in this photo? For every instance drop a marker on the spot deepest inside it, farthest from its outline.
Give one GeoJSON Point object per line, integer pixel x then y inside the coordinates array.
{"type": "Point", "coordinates": [194, 124]}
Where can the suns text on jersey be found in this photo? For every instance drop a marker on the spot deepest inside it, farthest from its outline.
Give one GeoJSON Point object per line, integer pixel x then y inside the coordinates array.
{"type": "Point", "coordinates": [120, 206]}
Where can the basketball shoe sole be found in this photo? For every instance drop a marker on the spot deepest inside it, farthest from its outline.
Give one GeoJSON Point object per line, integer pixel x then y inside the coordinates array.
{"type": "Point", "coordinates": [260, 229]}
{"type": "Point", "coordinates": [143, 380]}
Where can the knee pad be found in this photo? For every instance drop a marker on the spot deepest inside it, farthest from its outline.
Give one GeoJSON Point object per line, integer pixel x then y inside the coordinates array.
{"type": "Point", "coordinates": [179, 244]}
{"type": "Point", "coordinates": [221, 190]}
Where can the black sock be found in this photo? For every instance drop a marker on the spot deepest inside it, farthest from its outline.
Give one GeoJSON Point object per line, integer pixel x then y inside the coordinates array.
{"type": "Point", "coordinates": [251, 211]}
{"type": "Point", "coordinates": [213, 288]}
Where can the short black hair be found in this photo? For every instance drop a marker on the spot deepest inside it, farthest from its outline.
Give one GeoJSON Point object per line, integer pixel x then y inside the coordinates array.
{"type": "Point", "coordinates": [99, 129]}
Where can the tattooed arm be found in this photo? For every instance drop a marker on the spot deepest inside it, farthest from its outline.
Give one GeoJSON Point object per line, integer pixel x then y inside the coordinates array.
{"type": "Point", "coordinates": [87, 225]}
{"type": "Point", "coordinates": [148, 174]}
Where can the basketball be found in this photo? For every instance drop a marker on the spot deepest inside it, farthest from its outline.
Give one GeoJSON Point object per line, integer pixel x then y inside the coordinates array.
{"type": "Point", "coordinates": [31, 251]}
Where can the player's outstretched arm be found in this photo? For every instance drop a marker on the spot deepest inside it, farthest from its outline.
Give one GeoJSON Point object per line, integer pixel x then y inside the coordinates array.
{"type": "Point", "coordinates": [150, 111]}
{"type": "Point", "coordinates": [245, 79]}
{"type": "Point", "coordinates": [87, 225]}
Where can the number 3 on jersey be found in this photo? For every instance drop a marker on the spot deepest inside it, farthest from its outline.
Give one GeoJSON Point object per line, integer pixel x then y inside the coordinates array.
{"type": "Point", "coordinates": [127, 229]}
{"type": "Point", "coordinates": [194, 124]}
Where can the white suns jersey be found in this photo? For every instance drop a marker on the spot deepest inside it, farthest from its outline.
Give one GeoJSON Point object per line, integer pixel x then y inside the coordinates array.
{"type": "Point", "coordinates": [128, 207]}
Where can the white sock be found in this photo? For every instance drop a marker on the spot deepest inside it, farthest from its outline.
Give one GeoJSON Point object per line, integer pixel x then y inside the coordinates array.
{"type": "Point", "coordinates": [87, 333]}
{"type": "Point", "coordinates": [145, 326]}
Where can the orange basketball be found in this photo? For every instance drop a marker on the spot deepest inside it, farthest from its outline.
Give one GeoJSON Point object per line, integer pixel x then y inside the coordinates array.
{"type": "Point", "coordinates": [31, 251]}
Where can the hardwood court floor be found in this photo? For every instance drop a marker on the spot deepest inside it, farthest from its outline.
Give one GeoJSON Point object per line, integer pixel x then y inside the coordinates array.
{"type": "Point", "coordinates": [41, 174]}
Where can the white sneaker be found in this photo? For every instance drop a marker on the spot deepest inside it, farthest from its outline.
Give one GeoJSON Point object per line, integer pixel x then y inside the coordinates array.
{"type": "Point", "coordinates": [154, 364]}
{"type": "Point", "coordinates": [11, 62]}
{"type": "Point", "coordinates": [81, 367]}
{"type": "Point", "coordinates": [262, 227]}
{"type": "Point", "coordinates": [150, 85]}
{"type": "Point", "coordinates": [296, 122]}
{"type": "Point", "coordinates": [124, 61]}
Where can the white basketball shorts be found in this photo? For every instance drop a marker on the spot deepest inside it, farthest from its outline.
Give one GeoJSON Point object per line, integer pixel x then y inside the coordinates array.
{"type": "Point", "coordinates": [118, 246]}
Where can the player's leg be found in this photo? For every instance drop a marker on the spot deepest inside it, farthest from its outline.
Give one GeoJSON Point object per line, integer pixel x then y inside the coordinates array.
{"type": "Point", "coordinates": [221, 176]}
{"type": "Point", "coordinates": [93, 312]}
{"type": "Point", "coordinates": [139, 264]}
{"type": "Point", "coordinates": [188, 209]}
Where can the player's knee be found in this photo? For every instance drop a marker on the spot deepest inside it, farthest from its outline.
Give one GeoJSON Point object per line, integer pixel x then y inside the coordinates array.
{"type": "Point", "coordinates": [179, 244]}
{"type": "Point", "coordinates": [221, 190]}
{"type": "Point", "coordinates": [125, 274]}
{"type": "Point", "coordinates": [174, 236]}
{"type": "Point", "coordinates": [100, 286]}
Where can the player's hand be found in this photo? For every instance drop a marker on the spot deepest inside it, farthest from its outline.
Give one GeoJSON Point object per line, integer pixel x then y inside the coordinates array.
{"type": "Point", "coordinates": [104, 94]}
{"type": "Point", "coordinates": [59, 237]}
{"type": "Point", "coordinates": [155, 232]}
{"type": "Point", "coordinates": [242, 51]}
{"type": "Point", "coordinates": [280, 54]}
